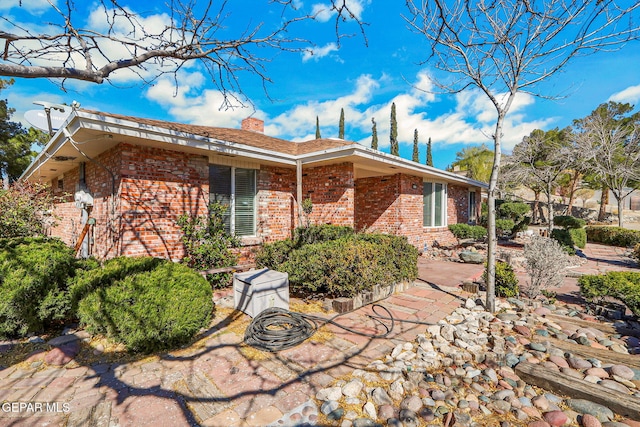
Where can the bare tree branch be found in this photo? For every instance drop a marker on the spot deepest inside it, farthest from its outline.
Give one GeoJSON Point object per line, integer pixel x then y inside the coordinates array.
{"type": "Point", "coordinates": [189, 31]}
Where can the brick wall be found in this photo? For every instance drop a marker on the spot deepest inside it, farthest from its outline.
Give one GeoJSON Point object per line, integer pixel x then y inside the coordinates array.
{"type": "Point", "coordinates": [394, 205]}
{"type": "Point", "coordinates": [157, 187]}
{"type": "Point", "coordinates": [377, 204]}
{"type": "Point", "coordinates": [457, 204]}
{"type": "Point", "coordinates": [154, 187]}
{"type": "Point", "coordinates": [332, 191]}
{"type": "Point", "coordinates": [277, 208]}
{"type": "Point", "coordinates": [104, 236]}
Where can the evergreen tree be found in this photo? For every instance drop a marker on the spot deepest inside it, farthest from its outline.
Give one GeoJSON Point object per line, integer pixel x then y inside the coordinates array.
{"type": "Point", "coordinates": [318, 128]}
{"type": "Point", "coordinates": [429, 156]}
{"type": "Point", "coordinates": [393, 136]}
{"type": "Point", "coordinates": [15, 143]}
{"type": "Point", "coordinates": [374, 134]}
{"type": "Point", "coordinates": [416, 154]}
{"type": "Point", "coordinates": [341, 125]}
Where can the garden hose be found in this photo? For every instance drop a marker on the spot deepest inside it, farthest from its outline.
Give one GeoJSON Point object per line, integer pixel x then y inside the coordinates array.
{"type": "Point", "coordinates": [277, 329]}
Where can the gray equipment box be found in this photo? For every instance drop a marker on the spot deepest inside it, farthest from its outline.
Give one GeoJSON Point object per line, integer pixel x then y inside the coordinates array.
{"type": "Point", "coordinates": [255, 291]}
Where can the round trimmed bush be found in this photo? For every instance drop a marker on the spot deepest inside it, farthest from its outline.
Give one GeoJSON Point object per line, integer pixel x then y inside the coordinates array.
{"type": "Point", "coordinates": [33, 280]}
{"type": "Point", "coordinates": [157, 309]}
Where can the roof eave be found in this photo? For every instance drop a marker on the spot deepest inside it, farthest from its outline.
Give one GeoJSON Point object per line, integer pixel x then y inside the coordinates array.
{"type": "Point", "coordinates": [369, 153]}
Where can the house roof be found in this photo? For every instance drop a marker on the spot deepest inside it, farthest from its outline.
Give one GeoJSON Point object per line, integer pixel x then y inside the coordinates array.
{"type": "Point", "coordinates": [250, 138]}
{"type": "Point", "coordinates": [86, 134]}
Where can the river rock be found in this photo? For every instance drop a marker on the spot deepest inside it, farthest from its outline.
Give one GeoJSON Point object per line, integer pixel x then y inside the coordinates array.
{"type": "Point", "coordinates": [583, 406]}
{"type": "Point", "coordinates": [352, 388]}
{"type": "Point", "coordinates": [623, 371]}
{"type": "Point", "coordinates": [579, 363]}
{"type": "Point", "coordinates": [412, 403]}
{"type": "Point", "coordinates": [555, 418]}
{"type": "Point", "coordinates": [589, 420]}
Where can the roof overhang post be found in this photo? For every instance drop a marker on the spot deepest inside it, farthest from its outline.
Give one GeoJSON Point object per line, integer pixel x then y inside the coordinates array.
{"type": "Point", "coordinates": [299, 189]}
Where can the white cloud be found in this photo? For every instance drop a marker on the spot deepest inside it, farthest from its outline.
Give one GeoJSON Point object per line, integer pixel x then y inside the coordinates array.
{"type": "Point", "coordinates": [325, 11]}
{"type": "Point", "coordinates": [190, 104]}
{"type": "Point", "coordinates": [299, 123]}
{"type": "Point", "coordinates": [32, 6]}
{"type": "Point", "coordinates": [319, 52]}
{"type": "Point", "coordinates": [471, 121]}
{"type": "Point", "coordinates": [629, 95]}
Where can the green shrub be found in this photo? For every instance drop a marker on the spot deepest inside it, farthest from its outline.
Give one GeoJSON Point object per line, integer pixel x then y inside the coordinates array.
{"type": "Point", "coordinates": [113, 271]}
{"type": "Point", "coordinates": [33, 284]}
{"type": "Point", "coordinates": [504, 226]}
{"type": "Point", "coordinates": [570, 239]}
{"type": "Point", "coordinates": [466, 231]}
{"type": "Point", "coordinates": [320, 233]}
{"type": "Point", "coordinates": [506, 280]}
{"type": "Point", "coordinates": [579, 237]}
{"type": "Point", "coordinates": [147, 304]}
{"type": "Point", "coordinates": [621, 285]}
{"type": "Point", "coordinates": [513, 210]}
{"type": "Point", "coordinates": [207, 244]}
{"type": "Point", "coordinates": [568, 222]}
{"type": "Point", "coordinates": [614, 236]}
{"type": "Point", "coordinates": [272, 255]}
{"type": "Point", "coordinates": [521, 225]}
{"type": "Point", "coordinates": [342, 267]}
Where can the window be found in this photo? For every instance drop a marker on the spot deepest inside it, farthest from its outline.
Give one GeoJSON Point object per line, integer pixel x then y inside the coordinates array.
{"type": "Point", "coordinates": [434, 197]}
{"type": "Point", "coordinates": [235, 188]}
{"type": "Point", "coordinates": [473, 212]}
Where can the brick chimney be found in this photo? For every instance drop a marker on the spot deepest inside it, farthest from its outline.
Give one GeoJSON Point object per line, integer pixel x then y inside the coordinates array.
{"type": "Point", "coordinates": [253, 124]}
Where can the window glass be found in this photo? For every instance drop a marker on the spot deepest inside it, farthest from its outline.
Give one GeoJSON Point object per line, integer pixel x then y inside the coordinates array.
{"type": "Point", "coordinates": [434, 197]}
{"type": "Point", "coordinates": [236, 189]}
{"type": "Point", "coordinates": [427, 201]}
{"type": "Point", "coordinates": [220, 190]}
{"type": "Point", "coordinates": [472, 206]}
{"type": "Point", "coordinates": [245, 202]}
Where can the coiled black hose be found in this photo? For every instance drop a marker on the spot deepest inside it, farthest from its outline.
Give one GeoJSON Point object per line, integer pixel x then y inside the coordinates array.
{"type": "Point", "coordinates": [276, 329]}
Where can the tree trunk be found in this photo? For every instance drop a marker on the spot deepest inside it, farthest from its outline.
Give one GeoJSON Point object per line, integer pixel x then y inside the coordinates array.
{"type": "Point", "coordinates": [550, 207]}
{"type": "Point", "coordinates": [536, 206]}
{"type": "Point", "coordinates": [620, 201]}
{"type": "Point", "coordinates": [572, 191]}
{"type": "Point", "coordinates": [492, 240]}
{"type": "Point", "coordinates": [604, 201]}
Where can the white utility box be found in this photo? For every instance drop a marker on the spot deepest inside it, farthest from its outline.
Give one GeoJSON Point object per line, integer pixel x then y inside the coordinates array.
{"type": "Point", "coordinates": [255, 291]}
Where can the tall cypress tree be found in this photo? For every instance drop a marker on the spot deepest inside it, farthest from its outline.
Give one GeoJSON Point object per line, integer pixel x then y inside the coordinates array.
{"type": "Point", "coordinates": [374, 134]}
{"type": "Point", "coordinates": [318, 128]}
{"type": "Point", "coordinates": [341, 125]}
{"type": "Point", "coordinates": [393, 136]}
{"type": "Point", "coordinates": [429, 156]}
{"type": "Point", "coordinates": [416, 153]}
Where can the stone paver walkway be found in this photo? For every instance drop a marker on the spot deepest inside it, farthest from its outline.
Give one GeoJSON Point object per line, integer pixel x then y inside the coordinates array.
{"type": "Point", "coordinates": [224, 383]}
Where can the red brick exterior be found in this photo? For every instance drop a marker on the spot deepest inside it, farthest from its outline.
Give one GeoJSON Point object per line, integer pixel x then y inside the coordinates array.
{"type": "Point", "coordinates": [332, 191]}
{"type": "Point", "coordinates": [394, 205]}
{"type": "Point", "coordinates": [153, 187]}
{"type": "Point", "coordinates": [277, 207]}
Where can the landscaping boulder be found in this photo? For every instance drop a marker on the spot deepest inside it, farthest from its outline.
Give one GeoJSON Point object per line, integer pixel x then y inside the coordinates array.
{"type": "Point", "coordinates": [472, 257]}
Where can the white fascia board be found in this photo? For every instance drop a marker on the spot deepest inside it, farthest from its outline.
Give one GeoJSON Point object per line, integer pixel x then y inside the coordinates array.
{"type": "Point", "coordinates": [181, 139]}
{"type": "Point", "coordinates": [388, 159]}
{"type": "Point", "coordinates": [55, 143]}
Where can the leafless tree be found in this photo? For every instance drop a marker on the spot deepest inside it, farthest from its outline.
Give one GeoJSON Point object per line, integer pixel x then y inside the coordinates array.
{"type": "Point", "coordinates": [541, 158]}
{"type": "Point", "coordinates": [506, 47]}
{"type": "Point", "coordinates": [610, 139]}
{"type": "Point", "coordinates": [187, 31]}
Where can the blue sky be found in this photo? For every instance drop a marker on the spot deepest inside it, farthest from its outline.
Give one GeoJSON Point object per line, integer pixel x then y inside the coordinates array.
{"type": "Point", "coordinates": [364, 80]}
